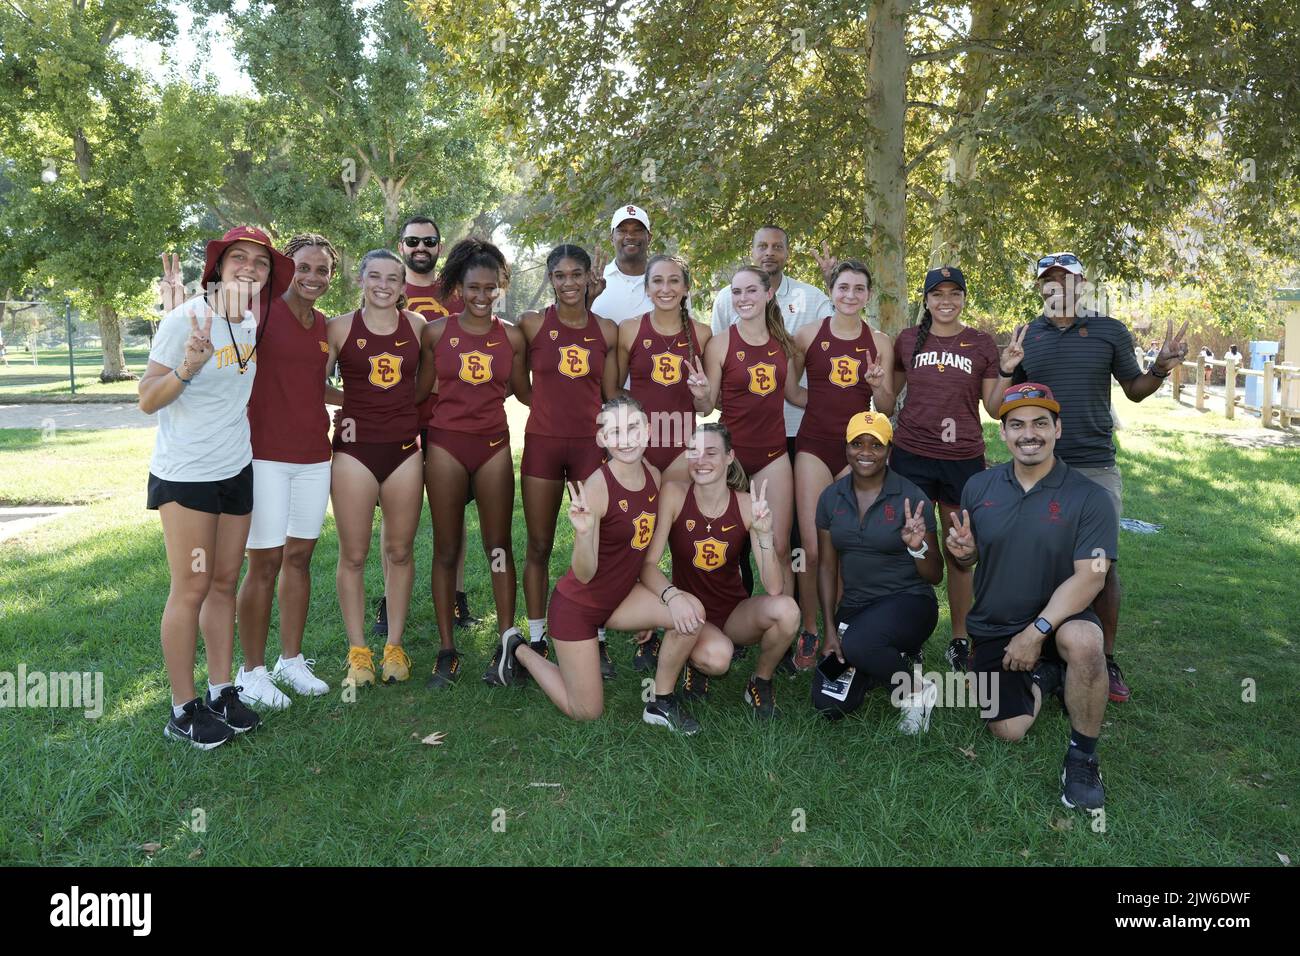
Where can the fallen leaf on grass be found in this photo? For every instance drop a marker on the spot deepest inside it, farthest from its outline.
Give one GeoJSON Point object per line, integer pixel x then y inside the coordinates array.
{"type": "Point", "coordinates": [1061, 824]}
{"type": "Point", "coordinates": [434, 739]}
{"type": "Point", "coordinates": [151, 848]}
{"type": "Point", "coordinates": [1025, 853]}
{"type": "Point", "coordinates": [1267, 776]}
{"type": "Point", "coordinates": [1286, 860]}
{"type": "Point", "coordinates": [539, 784]}
{"type": "Point", "coordinates": [968, 752]}
{"type": "Point", "coordinates": [1189, 670]}
{"type": "Point", "coordinates": [195, 854]}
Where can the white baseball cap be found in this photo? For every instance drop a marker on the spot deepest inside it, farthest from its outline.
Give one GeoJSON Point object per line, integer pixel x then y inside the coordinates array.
{"type": "Point", "coordinates": [1060, 260]}
{"type": "Point", "coordinates": [624, 213]}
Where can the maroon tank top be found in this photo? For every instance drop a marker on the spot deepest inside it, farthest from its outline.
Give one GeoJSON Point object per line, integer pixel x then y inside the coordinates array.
{"type": "Point", "coordinates": [753, 392]}
{"type": "Point", "coordinates": [473, 375]}
{"type": "Point", "coordinates": [706, 554]}
{"type": "Point", "coordinates": [286, 412]}
{"type": "Point", "coordinates": [379, 373]}
{"type": "Point", "coordinates": [567, 366]}
{"type": "Point", "coordinates": [625, 533]}
{"type": "Point", "coordinates": [837, 382]}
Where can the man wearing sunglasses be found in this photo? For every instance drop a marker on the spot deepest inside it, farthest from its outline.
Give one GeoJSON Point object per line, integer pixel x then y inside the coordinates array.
{"type": "Point", "coordinates": [1044, 537]}
{"type": "Point", "coordinates": [419, 243]}
{"type": "Point", "coordinates": [1075, 351]}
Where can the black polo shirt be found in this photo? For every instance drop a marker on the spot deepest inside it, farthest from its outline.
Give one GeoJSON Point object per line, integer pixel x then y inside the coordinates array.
{"type": "Point", "coordinates": [1077, 363]}
{"type": "Point", "coordinates": [874, 562]}
{"type": "Point", "coordinates": [1028, 542]}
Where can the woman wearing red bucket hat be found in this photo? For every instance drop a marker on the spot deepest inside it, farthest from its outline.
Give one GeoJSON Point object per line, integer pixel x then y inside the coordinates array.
{"type": "Point", "coordinates": [199, 379]}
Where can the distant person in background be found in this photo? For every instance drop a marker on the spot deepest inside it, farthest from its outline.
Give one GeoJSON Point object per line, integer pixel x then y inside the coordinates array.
{"type": "Point", "coordinates": [620, 287]}
{"type": "Point", "coordinates": [1150, 356]}
{"type": "Point", "coordinates": [1076, 352]}
{"type": "Point", "coordinates": [1232, 355]}
{"type": "Point", "coordinates": [1207, 356]}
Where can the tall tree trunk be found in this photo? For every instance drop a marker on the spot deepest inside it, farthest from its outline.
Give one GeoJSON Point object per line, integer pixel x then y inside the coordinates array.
{"type": "Point", "coordinates": [392, 205]}
{"type": "Point", "coordinates": [886, 180]}
{"type": "Point", "coordinates": [110, 333]}
{"type": "Point", "coordinates": [947, 241]}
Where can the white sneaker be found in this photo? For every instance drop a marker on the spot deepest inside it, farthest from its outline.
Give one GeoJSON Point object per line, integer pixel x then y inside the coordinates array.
{"type": "Point", "coordinates": [915, 711]}
{"type": "Point", "coordinates": [297, 674]}
{"type": "Point", "coordinates": [256, 689]}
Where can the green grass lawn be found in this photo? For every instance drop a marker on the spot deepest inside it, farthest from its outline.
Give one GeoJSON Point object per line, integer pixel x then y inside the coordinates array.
{"type": "Point", "coordinates": [49, 377]}
{"type": "Point", "coordinates": [1194, 775]}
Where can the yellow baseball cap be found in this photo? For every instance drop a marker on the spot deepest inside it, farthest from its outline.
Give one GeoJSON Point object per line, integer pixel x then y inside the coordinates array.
{"type": "Point", "coordinates": [870, 423]}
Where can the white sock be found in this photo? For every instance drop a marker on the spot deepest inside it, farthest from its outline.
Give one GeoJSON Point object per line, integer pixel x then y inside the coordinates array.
{"type": "Point", "coordinates": [536, 628]}
{"type": "Point", "coordinates": [178, 710]}
{"type": "Point", "coordinates": [600, 634]}
{"type": "Point", "coordinates": [214, 690]}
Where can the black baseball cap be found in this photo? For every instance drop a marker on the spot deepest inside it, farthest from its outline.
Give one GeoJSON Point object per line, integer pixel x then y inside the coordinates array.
{"type": "Point", "coordinates": [943, 274]}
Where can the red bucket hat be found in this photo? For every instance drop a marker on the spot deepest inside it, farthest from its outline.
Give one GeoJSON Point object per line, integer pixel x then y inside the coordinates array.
{"type": "Point", "coordinates": [281, 265]}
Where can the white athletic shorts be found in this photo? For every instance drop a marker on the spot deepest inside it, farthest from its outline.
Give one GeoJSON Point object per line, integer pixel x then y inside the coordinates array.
{"type": "Point", "coordinates": [288, 501]}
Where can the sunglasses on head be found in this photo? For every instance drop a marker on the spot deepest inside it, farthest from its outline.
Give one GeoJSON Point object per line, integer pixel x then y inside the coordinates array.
{"type": "Point", "coordinates": [1064, 259]}
{"type": "Point", "coordinates": [430, 242]}
{"type": "Point", "coordinates": [1025, 393]}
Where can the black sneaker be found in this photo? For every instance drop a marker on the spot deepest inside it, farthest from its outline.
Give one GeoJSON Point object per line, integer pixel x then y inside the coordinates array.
{"type": "Point", "coordinates": [380, 626]}
{"type": "Point", "coordinates": [1050, 678]}
{"type": "Point", "coordinates": [540, 646]}
{"type": "Point", "coordinates": [463, 617]}
{"type": "Point", "coordinates": [606, 664]}
{"type": "Point", "coordinates": [646, 656]}
{"type": "Point", "coordinates": [761, 697]}
{"type": "Point", "coordinates": [198, 726]}
{"type": "Point", "coordinates": [233, 711]}
{"type": "Point", "coordinates": [804, 652]}
{"type": "Point", "coordinates": [1081, 781]}
{"type": "Point", "coordinates": [786, 665]}
{"type": "Point", "coordinates": [508, 668]}
{"type": "Point", "coordinates": [695, 683]}
{"type": "Point", "coordinates": [668, 712]}
{"type": "Point", "coordinates": [958, 654]}
{"type": "Point", "coordinates": [446, 670]}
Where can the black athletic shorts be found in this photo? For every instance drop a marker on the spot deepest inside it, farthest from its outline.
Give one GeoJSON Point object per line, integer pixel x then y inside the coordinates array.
{"type": "Point", "coordinates": [1010, 693]}
{"type": "Point", "coordinates": [230, 496]}
{"type": "Point", "coordinates": [940, 479]}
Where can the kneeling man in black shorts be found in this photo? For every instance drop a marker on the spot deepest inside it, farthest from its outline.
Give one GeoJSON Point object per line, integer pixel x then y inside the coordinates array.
{"type": "Point", "coordinates": [1044, 536]}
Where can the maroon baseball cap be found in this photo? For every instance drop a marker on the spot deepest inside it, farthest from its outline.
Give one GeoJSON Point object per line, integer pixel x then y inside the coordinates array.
{"type": "Point", "coordinates": [281, 265]}
{"type": "Point", "coordinates": [1028, 393]}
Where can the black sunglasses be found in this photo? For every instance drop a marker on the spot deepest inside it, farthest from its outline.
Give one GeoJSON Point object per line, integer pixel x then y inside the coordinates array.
{"type": "Point", "coordinates": [1064, 259]}
{"type": "Point", "coordinates": [1016, 395]}
{"type": "Point", "coordinates": [430, 242]}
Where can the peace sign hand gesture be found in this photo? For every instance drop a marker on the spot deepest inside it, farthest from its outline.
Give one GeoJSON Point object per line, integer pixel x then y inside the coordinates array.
{"type": "Point", "coordinates": [697, 381]}
{"type": "Point", "coordinates": [762, 513]}
{"type": "Point", "coordinates": [875, 375]}
{"type": "Point", "coordinates": [580, 516]}
{"type": "Point", "coordinates": [171, 287]}
{"type": "Point", "coordinates": [961, 540]}
{"type": "Point", "coordinates": [1014, 353]}
{"type": "Point", "coordinates": [1173, 349]}
{"type": "Point", "coordinates": [198, 347]}
{"type": "Point", "coordinates": [596, 277]}
{"type": "Point", "coordinates": [826, 261]}
{"type": "Point", "coordinates": [913, 524]}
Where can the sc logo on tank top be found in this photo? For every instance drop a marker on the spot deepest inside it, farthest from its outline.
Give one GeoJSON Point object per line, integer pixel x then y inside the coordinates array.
{"type": "Point", "coordinates": [475, 367]}
{"type": "Point", "coordinates": [643, 529]}
{"type": "Point", "coordinates": [666, 368]}
{"type": "Point", "coordinates": [844, 371]}
{"type": "Point", "coordinates": [762, 378]}
{"type": "Point", "coordinates": [385, 370]}
{"type": "Point", "coordinates": [575, 361]}
{"type": "Point", "coordinates": [710, 554]}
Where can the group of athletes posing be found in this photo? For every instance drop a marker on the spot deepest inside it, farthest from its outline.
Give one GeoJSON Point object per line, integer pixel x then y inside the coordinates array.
{"type": "Point", "coordinates": [615, 372]}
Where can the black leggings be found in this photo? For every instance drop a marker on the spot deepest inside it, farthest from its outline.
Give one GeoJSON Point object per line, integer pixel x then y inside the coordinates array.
{"type": "Point", "coordinates": [877, 638]}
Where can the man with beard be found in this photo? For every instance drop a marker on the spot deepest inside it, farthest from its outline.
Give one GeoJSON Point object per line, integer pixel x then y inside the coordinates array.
{"type": "Point", "coordinates": [620, 293]}
{"type": "Point", "coordinates": [420, 246]}
{"type": "Point", "coordinates": [1075, 351]}
{"type": "Point", "coordinates": [1044, 536]}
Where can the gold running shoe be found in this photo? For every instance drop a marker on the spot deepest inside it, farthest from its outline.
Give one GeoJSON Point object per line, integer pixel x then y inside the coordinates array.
{"type": "Point", "coordinates": [361, 666]}
{"type": "Point", "coordinates": [397, 666]}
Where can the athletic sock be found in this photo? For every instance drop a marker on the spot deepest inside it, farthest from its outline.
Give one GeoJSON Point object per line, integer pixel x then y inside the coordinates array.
{"type": "Point", "coordinates": [178, 710]}
{"type": "Point", "coordinates": [1085, 744]}
{"type": "Point", "coordinates": [536, 628]}
{"type": "Point", "coordinates": [600, 634]}
{"type": "Point", "coordinates": [214, 690]}
{"type": "Point", "coordinates": [663, 698]}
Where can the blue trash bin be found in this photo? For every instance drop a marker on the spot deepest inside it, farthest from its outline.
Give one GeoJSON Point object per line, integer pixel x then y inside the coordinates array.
{"type": "Point", "coordinates": [1260, 352]}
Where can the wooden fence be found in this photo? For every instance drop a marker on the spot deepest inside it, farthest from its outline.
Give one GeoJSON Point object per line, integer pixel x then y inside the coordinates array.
{"type": "Point", "coordinates": [1285, 377]}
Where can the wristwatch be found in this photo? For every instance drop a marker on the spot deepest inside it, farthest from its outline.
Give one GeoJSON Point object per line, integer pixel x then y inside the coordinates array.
{"type": "Point", "coordinates": [1044, 626]}
{"type": "Point", "coordinates": [925, 549]}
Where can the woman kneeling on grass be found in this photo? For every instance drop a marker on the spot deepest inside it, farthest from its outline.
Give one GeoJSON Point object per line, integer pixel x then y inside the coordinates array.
{"type": "Point", "coordinates": [706, 524]}
{"type": "Point", "coordinates": [199, 379]}
{"type": "Point", "coordinates": [613, 515]}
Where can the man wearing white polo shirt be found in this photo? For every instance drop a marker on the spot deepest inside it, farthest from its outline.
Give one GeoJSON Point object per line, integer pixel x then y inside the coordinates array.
{"type": "Point", "coordinates": [621, 290]}
{"type": "Point", "coordinates": [801, 304]}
